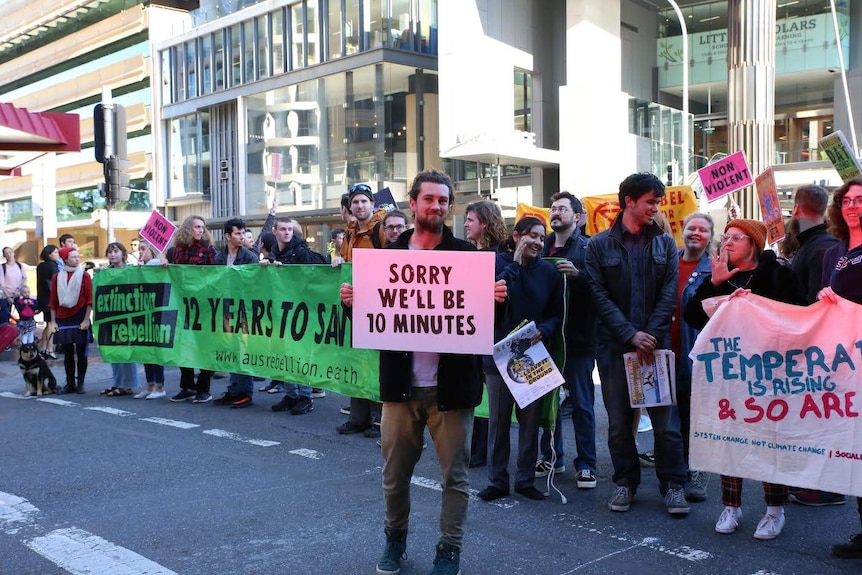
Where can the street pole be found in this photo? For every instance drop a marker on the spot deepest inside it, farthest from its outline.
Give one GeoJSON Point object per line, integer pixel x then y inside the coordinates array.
{"type": "Point", "coordinates": [685, 154]}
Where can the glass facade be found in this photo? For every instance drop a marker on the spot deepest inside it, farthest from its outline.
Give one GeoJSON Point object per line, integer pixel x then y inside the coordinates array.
{"type": "Point", "coordinates": [189, 145]}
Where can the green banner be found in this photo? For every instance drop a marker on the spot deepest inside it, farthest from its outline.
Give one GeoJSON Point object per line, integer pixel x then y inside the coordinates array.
{"type": "Point", "coordinates": [281, 322]}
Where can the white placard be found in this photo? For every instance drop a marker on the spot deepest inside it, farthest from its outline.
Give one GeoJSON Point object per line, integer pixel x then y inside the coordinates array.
{"type": "Point", "coordinates": [527, 369]}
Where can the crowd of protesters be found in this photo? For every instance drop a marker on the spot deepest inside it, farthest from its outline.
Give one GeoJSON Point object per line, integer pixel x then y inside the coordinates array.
{"type": "Point", "coordinates": [538, 275]}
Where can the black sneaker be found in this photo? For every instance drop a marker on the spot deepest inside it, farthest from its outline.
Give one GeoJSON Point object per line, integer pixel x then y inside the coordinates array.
{"type": "Point", "coordinates": [225, 399]}
{"type": "Point", "coordinates": [815, 498]}
{"type": "Point", "coordinates": [349, 427]}
{"type": "Point", "coordinates": [303, 405]}
{"type": "Point", "coordinates": [242, 400]}
{"type": "Point", "coordinates": [286, 403]}
{"type": "Point", "coordinates": [850, 550]}
{"type": "Point", "coordinates": [183, 395]}
{"type": "Point", "coordinates": [202, 397]}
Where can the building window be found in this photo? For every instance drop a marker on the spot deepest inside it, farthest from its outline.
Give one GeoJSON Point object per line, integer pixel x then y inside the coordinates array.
{"type": "Point", "coordinates": [279, 61]}
{"type": "Point", "coordinates": [523, 100]}
{"type": "Point", "coordinates": [218, 50]}
{"type": "Point", "coordinates": [334, 29]}
{"type": "Point", "coordinates": [249, 51]}
{"type": "Point", "coordinates": [264, 47]}
{"type": "Point", "coordinates": [298, 35]}
{"type": "Point", "coordinates": [188, 146]}
{"type": "Point", "coordinates": [206, 64]}
{"type": "Point", "coordinates": [235, 56]}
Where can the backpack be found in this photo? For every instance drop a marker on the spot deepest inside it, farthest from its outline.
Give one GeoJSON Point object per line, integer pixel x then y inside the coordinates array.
{"type": "Point", "coordinates": [375, 236]}
{"type": "Point", "coordinates": [317, 258]}
{"type": "Point", "coordinates": [19, 267]}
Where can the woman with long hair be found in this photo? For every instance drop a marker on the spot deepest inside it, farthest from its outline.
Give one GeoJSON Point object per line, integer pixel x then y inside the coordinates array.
{"type": "Point", "coordinates": [842, 276]}
{"type": "Point", "coordinates": [741, 266]}
{"type": "Point", "coordinates": [193, 246]}
{"type": "Point", "coordinates": [45, 271]}
{"type": "Point", "coordinates": [71, 303]}
{"type": "Point", "coordinates": [485, 229]}
{"type": "Point", "coordinates": [535, 294]}
{"type": "Point", "coordinates": [125, 375]}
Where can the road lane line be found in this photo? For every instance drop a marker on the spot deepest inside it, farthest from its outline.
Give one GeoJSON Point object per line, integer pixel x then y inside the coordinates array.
{"type": "Point", "coordinates": [170, 422]}
{"type": "Point", "coordinates": [83, 553]}
{"type": "Point", "coordinates": [309, 453]}
{"type": "Point", "coordinates": [62, 402]}
{"type": "Point", "coordinates": [111, 410]}
{"type": "Point", "coordinates": [238, 437]}
{"type": "Point", "coordinates": [436, 486]}
{"type": "Point", "coordinates": [15, 512]}
{"type": "Point", "coordinates": [11, 395]}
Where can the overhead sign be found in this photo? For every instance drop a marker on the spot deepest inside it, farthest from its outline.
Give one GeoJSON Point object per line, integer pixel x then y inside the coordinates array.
{"type": "Point", "coordinates": [424, 300]}
{"type": "Point", "coordinates": [725, 176]}
{"type": "Point", "coordinates": [770, 208]}
{"type": "Point", "coordinates": [158, 231]}
{"type": "Point", "coordinates": [836, 147]}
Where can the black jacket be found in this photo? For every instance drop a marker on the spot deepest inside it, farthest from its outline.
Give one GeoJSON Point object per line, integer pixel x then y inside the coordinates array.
{"type": "Point", "coordinates": [295, 252]}
{"type": "Point", "coordinates": [459, 377]}
{"type": "Point", "coordinates": [627, 304]}
{"type": "Point", "coordinates": [582, 321]}
{"type": "Point", "coordinates": [770, 279]}
{"type": "Point", "coordinates": [807, 264]}
{"type": "Point", "coordinates": [243, 256]}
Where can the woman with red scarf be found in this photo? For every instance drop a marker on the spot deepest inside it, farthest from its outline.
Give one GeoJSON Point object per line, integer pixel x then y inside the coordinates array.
{"type": "Point", "coordinates": [71, 303]}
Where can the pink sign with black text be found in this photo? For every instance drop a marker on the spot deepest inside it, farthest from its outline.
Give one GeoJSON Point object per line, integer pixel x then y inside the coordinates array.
{"type": "Point", "coordinates": [725, 176]}
{"type": "Point", "coordinates": [158, 231]}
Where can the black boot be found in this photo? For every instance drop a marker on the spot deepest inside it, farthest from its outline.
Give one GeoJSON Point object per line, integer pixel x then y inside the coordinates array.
{"type": "Point", "coordinates": [80, 390]}
{"type": "Point", "coordinates": [68, 388]}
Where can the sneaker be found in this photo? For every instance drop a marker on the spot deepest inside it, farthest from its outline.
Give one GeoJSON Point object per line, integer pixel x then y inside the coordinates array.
{"type": "Point", "coordinates": [586, 479]}
{"type": "Point", "coordinates": [158, 394]}
{"type": "Point", "coordinates": [622, 499]}
{"type": "Point", "coordinates": [675, 501]}
{"type": "Point", "coordinates": [695, 488]}
{"type": "Point", "coordinates": [345, 410]}
{"type": "Point", "coordinates": [226, 399]}
{"type": "Point", "coordinates": [770, 526]}
{"type": "Point", "coordinates": [491, 493]}
{"type": "Point", "coordinates": [317, 393]}
{"type": "Point", "coordinates": [543, 468]}
{"type": "Point", "coordinates": [448, 560]}
{"type": "Point", "coordinates": [850, 550]}
{"type": "Point", "coordinates": [815, 498]}
{"type": "Point", "coordinates": [349, 427]}
{"type": "Point", "coordinates": [647, 458]}
{"type": "Point", "coordinates": [728, 521]}
{"type": "Point", "coordinates": [243, 400]}
{"type": "Point", "coordinates": [303, 405]}
{"type": "Point", "coordinates": [286, 403]}
{"type": "Point", "coordinates": [202, 398]}
{"type": "Point", "coordinates": [142, 395]}
{"type": "Point", "coordinates": [183, 395]}
{"type": "Point", "coordinates": [394, 553]}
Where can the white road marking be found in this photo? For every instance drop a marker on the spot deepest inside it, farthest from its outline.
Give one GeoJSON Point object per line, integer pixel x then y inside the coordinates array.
{"type": "Point", "coordinates": [309, 453]}
{"type": "Point", "coordinates": [238, 437]}
{"type": "Point", "coordinates": [74, 550]}
{"type": "Point", "coordinates": [681, 552]}
{"type": "Point", "coordinates": [435, 486]}
{"type": "Point", "coordinates": [170, 422]}
{"type": "Point", "coordinates": [83, 553]}
{"type": "Point", "coordinates": [111, 410]}
{"type": "Point", "coordinates": [62, 402]}
{"type": "Point", "coordinates": [603, 557]}
{"type": "Point", "coordinates": [11, 395]}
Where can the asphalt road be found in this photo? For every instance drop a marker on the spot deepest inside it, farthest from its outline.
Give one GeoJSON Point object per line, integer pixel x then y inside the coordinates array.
{"type": "Point", "coordinates": [90, 484]}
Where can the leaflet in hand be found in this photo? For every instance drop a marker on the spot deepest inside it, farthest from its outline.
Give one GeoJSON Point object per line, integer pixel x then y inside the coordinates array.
{"type": "Point", "coordinates": [654, 384]}
{"type": "Point", "coordinates": [528, 370]}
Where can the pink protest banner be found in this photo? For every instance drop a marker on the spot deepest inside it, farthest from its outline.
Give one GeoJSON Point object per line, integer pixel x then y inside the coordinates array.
{"type": "Point", "coordinates": [774, 393]}
{"type": "Point", "coordinates": [158, 231]}
{"type": "Point", "coordinates": [725, 176]}
{"type": "Point", "coordinates": [770, 208]}
{"type": "Point", "coordinates": [437, 301]}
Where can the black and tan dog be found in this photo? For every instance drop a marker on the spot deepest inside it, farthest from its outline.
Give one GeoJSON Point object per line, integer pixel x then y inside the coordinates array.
{"type": "Point", "coordinates": [34, 368]}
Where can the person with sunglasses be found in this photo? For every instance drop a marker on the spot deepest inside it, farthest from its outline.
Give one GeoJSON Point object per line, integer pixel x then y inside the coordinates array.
{"type": "Point", "coordinates": [742, 265]}
{"type": "Point", "coordinates": [366, 231]}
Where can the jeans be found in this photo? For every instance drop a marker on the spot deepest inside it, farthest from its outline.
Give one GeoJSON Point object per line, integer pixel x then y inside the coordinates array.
{"type": "Point", "coordinates": [500, 404]}
{"type": "Point", "coordinates": [241, 385]}
{"type": "Point", "coordinates": [155, 373]}
{"type": "Point", "coordinates": [125, 375]}
{"type": "Point", "coordinates": [669, 464]}
{"type": "Point", "coordinates": [582, 394]}
{"type": "Point", "coordinates": [401, 442]}
{"type": "Point", "coordinates": [294, 390]}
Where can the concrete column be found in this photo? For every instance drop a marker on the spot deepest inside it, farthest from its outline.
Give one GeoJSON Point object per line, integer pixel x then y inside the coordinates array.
{"type": "Point", "coordinates": [751, 89]}
{"type": "Point", "coordinates": [596, 148]}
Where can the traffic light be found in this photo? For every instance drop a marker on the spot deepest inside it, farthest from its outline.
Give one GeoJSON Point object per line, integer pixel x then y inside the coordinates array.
{"type": "Point", "coordinates": [109, 131]}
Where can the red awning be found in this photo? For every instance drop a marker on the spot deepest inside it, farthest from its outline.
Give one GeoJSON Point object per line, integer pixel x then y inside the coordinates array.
{"type": "Point", "coordinates": [25, 135]}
